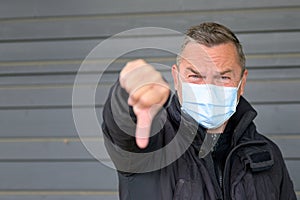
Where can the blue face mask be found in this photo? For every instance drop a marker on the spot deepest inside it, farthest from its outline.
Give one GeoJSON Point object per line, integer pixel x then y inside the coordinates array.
{"type": "Point", "coordinates": [209, 105]}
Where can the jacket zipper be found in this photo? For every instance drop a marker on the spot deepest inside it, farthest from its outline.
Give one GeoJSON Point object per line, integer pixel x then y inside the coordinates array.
{"type": "Point", "coordinates": [220, 176]}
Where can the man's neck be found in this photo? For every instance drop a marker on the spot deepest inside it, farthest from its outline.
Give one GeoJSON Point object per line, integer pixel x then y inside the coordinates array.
{"type": "Point", "coordinates": [217, 130]}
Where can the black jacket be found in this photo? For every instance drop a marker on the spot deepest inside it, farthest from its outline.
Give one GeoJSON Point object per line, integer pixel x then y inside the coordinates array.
{"type": "Point", "coordinates": [253, 166]}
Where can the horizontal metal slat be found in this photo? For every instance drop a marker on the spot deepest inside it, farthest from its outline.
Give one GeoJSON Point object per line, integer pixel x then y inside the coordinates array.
{"type": "Point", "coordinates": [270, 19]}
{"type": "Point", "coordinates": [264, 43]}
{"type": "Point", "coordinates": [57, 176]}
{"type": "Point", "coordinates": [35, 8]}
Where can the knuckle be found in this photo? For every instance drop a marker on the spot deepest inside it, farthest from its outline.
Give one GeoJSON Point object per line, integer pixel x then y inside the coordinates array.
{"type": "Point", "coordinates": [144, 100]}
{"type": "Point", "coordinates": [134, 96]}
{"type": "Point", "coordinates": [136, 62]}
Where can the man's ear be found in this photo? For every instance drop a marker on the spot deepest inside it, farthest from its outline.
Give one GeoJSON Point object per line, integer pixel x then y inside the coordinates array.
{"type": "Point", "coordinates": [244, 80]}
{"type": "Point", "coordinates": [175, 76]}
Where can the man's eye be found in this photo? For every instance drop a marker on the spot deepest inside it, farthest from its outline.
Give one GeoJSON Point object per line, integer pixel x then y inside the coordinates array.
{"type": "Point", "coordinates": [195, 76]}
{"type": "Point", "coordinates": [225, 78]}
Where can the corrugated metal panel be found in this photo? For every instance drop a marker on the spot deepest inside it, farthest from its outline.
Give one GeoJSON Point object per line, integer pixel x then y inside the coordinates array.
{"type": "Point", "coordinates": [43, 43]}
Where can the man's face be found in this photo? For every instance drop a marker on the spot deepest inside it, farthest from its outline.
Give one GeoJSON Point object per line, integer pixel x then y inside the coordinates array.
{"type": "Point", "coordinates": [217, 65]}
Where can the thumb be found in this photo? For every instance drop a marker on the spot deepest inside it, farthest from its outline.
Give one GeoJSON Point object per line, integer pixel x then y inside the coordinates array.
{"type": "Point", "coordinates": [143, 127]}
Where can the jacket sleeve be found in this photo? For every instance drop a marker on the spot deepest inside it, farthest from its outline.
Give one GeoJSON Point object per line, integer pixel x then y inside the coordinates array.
{"type": "Point", "coordinates": [287, 189]}
{"type": "Point", "coordinates": [118, 119]}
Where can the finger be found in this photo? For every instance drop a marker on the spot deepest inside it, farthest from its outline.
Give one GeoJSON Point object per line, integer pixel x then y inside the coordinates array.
{"type": "Point", "coordinates": [136, 95]}
{"type": "Point", "coordinates": [160, 87]}
{"type": "Point", "coordinates": [143, 127]}
{"type": "Point", "coordinates": [133, 72]}
{"type": "Point", "coordinates": [132, 65]}
{"type": "Point", "coordinates": [156, 95]}
{"type": "Point", "coordinates": [136, 79]}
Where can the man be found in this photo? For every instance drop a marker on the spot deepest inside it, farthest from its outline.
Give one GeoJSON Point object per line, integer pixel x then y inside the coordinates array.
{"type": "Point", "coordinates": [216, 151]}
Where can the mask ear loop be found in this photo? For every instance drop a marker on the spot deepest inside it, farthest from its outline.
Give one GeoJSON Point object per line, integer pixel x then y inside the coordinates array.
{"type": "Point", "coordinates": [238, 87]}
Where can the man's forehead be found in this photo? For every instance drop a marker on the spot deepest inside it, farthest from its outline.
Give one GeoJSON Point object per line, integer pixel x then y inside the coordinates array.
{"type": "Point", "coordinates": [203, 58]}
{"type": "Point", "coordinates": [195, 54]}
{"type": "Point", "coordinates": [200, 65]}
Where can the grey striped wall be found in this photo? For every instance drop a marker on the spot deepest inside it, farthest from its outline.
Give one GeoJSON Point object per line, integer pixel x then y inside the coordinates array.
{"type": "Point", "coordinates": [42, 44]}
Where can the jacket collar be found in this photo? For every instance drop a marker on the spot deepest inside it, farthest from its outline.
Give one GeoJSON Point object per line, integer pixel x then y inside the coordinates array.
{"type": "Point", "coordinates": [243, 117]}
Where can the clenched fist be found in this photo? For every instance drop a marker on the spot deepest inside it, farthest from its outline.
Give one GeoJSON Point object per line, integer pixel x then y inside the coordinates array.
{"type": "Point", "coordinates": [148, 92]}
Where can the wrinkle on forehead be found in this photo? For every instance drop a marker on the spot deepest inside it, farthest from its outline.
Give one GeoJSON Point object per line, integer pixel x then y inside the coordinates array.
{"type": "Point", "coordinates": [213, 59]}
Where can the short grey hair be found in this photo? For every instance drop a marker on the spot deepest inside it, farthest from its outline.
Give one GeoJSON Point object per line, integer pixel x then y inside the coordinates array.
{"type": "Point", "coordinates": [210, 34]}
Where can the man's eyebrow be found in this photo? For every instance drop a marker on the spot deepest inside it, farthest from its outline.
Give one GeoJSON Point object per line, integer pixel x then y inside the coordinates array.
{"type": "Point", "coordinates": [192, 70]}
{"type": "Point", "coordinates": [226, 71]}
